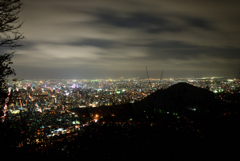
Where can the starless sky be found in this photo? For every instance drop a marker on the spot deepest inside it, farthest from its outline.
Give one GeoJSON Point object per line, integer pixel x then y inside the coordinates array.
{"type": "Point", "coordinates": [87, 39]}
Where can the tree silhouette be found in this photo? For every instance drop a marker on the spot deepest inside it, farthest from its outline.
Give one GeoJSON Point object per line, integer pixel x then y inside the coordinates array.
{"type": "Point", "coordinates": [9, 36]}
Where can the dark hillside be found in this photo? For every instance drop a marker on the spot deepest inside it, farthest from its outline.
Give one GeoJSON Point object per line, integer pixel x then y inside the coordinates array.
{"type": "Point", "coordinates": [180, 97]}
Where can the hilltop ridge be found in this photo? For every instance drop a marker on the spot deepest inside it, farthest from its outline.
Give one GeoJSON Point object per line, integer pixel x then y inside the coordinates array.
{"type": "Point", "coordinates": [181, 96]}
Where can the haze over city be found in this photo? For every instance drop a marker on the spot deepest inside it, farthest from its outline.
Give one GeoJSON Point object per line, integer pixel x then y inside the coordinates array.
{"type": "Point", "coordinates": [112, 39]}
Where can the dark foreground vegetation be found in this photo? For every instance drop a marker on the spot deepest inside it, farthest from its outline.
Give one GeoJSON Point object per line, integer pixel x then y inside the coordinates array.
{"type": "Point", "coordinates": [181, 122]}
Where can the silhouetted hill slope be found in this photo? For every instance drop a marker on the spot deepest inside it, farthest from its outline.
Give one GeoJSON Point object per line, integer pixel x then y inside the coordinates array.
{"type": "Point", "coordinates": [181, 96]}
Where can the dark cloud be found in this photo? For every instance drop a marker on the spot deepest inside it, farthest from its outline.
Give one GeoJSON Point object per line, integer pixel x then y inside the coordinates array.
{"type": "Point", "coordinates": [133, 20]}
{"type": "Point", "coordinates": [101, 43]}
{"type": "Point", "coordinates": [199, 22]}
{"type": "Point", "coordinates": [138, 20]}
{"type": "Point", "coordinates": [171, 45]}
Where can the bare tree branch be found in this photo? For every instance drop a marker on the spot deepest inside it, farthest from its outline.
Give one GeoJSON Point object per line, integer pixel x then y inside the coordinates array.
{"type": "Point", "coordinates": [9, 37]}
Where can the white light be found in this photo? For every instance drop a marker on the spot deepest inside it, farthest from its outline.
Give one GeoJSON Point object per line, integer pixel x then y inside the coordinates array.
{"type": "Point", "coordinates": [60, 129]}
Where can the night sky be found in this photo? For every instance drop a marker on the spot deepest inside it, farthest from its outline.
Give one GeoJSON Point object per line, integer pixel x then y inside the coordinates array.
{"type": "Point", "coordinates": [88, 39]}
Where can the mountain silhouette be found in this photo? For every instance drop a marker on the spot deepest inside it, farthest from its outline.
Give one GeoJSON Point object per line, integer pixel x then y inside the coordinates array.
{"type": "Point", "coordinates": [181, 96]}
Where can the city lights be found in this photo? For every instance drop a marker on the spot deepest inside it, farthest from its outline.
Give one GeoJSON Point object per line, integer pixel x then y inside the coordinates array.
{"type": "Point", "coordinates": [51, 103]}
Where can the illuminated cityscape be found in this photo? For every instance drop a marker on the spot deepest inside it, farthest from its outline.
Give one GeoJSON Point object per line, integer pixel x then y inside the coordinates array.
{"type": "Point", "coordinates": [46, 105]}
